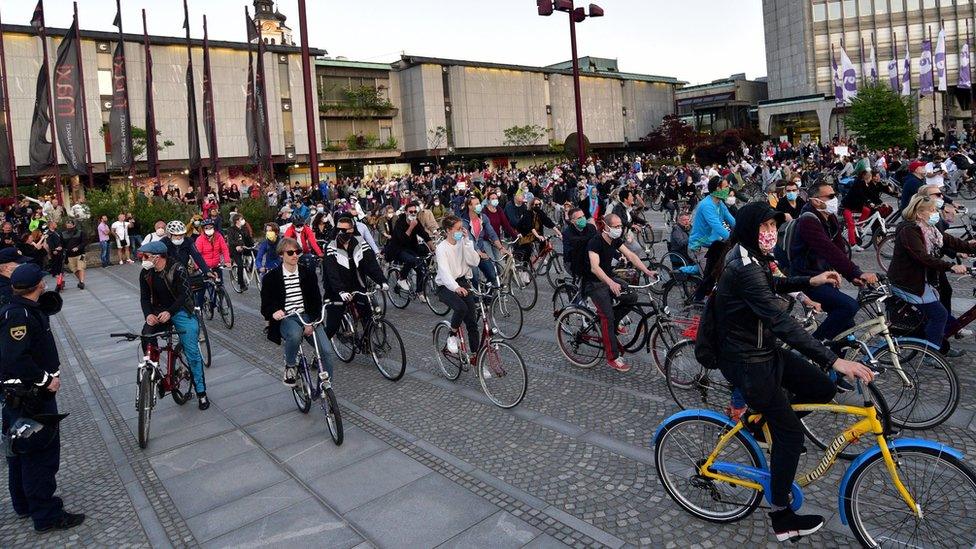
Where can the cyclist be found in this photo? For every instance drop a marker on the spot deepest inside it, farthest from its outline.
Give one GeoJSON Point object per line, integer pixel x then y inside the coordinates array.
{"type": "Point", "coordinates": [349, 261]}
{"type": "Point", "coordinates": [213, 248]}
{"type": "Point", "coordinates": [749, 319]}
{"type": "Point", "coordinates": [238, 238]}
{"type": "Point", "coordinates": [405, 247]}
{"type": "Point", "coordinates": [678, 241]}
{"type": "Point", "coordinates": [576, 236]}
{"type": "Point", "coordinates": [293, 288]}
{"type": "Point", "coordinates": [164, 292]}
{"type": "Point", "coordinates": [623, 209]}
{"type": "Point", "coordinates": [181, 249]}
{"type": "Point", "coordinates": [863, 198]}
{"type": "Point", "coordinates": [304, 235]}
{"type": "Point", "coordinates": [791, 204]}
{"type": "Point", "coordinates": [711, 227]}
{"type": "Point", "coordinates": [601, 288]}
{"type": "Point", "coordinates": [267, 257]}
{"type": "Point", "coordinates": [477, 225]}
{"type": "Point", "coordinates": [456, 256]}
{"type": "Point", "coordinates": [532, 227]}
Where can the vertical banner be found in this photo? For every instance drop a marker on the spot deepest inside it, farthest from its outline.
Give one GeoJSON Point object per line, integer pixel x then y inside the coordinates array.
{"type": "Point", "coordinates": [152, 145]}
{"type": "Point", "coordinates": [893, 77]}
{"type": "Point", "coordinates": [261, 108]}
{"type": "Point", "coordinates": [192, 127]}
{"type": "Point", "coordinates": [250, 112]}
{"type": "Point", "coordinates": [838, 81]}
{"type": "Point", "coordinates": [120, 123]}
{"type": "Point", "coordinates": [8, 164]}
{"type": "Point", "coordinates": [41, 148]}
{"type": "Point", "coordinates": [68, 118]}
{"type": "Point", "coordinates": [6, 173]}
{"type": "Point", "coordinates": [849, 76]}
{"type": "Point", "coordinates": [906, 77]}
{"type": "Point", "coordinates": [209, 117]}
{"type": "Point", "coordinates": [940, 60]}
{"type": "Point", "coordinates": [965, 77]}
{"type": "Point", "coordinates": [925, 82]}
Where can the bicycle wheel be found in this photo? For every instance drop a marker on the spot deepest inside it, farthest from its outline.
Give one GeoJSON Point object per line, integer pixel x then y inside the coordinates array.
{"type": "Point", "coordinates": [664, 335]}
{"type": "Point", "coordinates": [399, 297]}
{"type": "Point", "coordinates": [579, 337]}
{"type": "Point", "coordinates": [693, 386]}
{"type": "Point", "coordinates": [203, 340]}
{"type": "Point", "coordinates": [449, 363]}
{"type": "Point", "coordinates": [931, 393]}
{"type": "Point", "coordinates": [434, 302]}
{"type": "Point", "coordinates": [562, 298]}
{"type": "Point", "coordinates": [344, 341]}
{"type": "Point", "coordinates": [226, 308]}
{"type": "Point", "coordinates": [386, 348]}
{"type": "Point", "coordinates": [332, 415]}
{"type": "Point", "coordinates": [885, 251]}
{"type": "Point", "coordinates": [144, 403]}
{"type": "Point", "coordinates": [256, 277]}
{"type": "Point", "coordinates": [679, 292]}
{"type": "Point", "coordinates": [239, 284]}
{"type": "Point", "coordinates": [943, 486]}
{"type": "Point", "coordinates": [505, 315]}
{"type": "Point", "coordinates": [682, 446]}
{"type": "Point", "coordinates": [967, 189]}
{"type": "Point", "coordinates": [182, 380]}
{"type": "Point", "coordinates": [208, 304]}
{"type": "Point", "coordinates": [502, 374]}
{"type": "Point", "coordinates": [524, 287]}
{"type": "Point", "coordinates": [302, 391]}
{"type": "Point", "coordinates": [555, 271]}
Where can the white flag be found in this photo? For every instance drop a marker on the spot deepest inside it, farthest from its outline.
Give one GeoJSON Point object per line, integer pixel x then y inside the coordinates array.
{"type": "Point", "coordinates": [873, 69]}
{"type": "Point", "coordinates": [848, 74]}
{"type": "Point", "coordinates": [906, 75]}
{"type": "Point", "coordinates": [940, 60]}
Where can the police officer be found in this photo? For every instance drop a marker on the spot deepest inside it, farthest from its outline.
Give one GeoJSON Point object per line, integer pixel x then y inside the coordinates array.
{"type": "Point", "coordinates": [10, 257]}
{"type": "Point", "coordinates": [29, 374]}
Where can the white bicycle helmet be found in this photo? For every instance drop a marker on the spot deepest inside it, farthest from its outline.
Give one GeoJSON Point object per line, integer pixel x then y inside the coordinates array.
{"type": "Point", "coordinates": [176, 228]}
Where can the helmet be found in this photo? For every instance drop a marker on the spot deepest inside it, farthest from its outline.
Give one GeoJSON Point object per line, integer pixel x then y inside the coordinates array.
{"type": "Point", "coordinates": [208, 222]}
{"type": "Point", "coordinates": [175, 227]}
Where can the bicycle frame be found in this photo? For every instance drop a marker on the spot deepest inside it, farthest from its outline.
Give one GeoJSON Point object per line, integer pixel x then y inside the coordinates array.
{"type": "Point", "coordinates": [871, 329]}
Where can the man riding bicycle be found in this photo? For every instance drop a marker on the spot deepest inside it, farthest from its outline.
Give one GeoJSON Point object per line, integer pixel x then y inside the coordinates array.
{"type": "Point", "coordinates": [349, 260]}
{"type": "Point", "coordinates": [164, 292]}
{"type": "Point", "coordinates": [602, 288]}
{"type": "Point", "coordinates": [238, 238]}
{"type": "Point", "coordinates": [405, 246]}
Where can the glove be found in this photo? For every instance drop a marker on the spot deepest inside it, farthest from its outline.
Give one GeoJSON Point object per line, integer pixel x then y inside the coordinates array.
{"type": "Point", "coordinates": [385, 287]}
{"type": "Point", "coordinates": [345, 296]}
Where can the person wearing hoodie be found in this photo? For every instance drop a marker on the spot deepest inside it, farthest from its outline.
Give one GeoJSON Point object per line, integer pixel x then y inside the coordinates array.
{"type": "Point", "coordinates": [74, 245]}
{"type": "Point", "coordinates": [750, 323]}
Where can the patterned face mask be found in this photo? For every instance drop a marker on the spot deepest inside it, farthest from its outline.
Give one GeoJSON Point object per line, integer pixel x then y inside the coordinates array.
{"type": "Point", "coordinates": [767, 241]}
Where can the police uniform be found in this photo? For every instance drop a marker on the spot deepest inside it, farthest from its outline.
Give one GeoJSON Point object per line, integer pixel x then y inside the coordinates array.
{"type": "Point", "coordinates": [29, 361]}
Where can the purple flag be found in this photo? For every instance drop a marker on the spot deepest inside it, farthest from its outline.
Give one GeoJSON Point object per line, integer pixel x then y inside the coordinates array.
{"type": "Point", "coordinates": [926, 83]}
{"type": "Point", "coordinates": [838, 81]}
{"type": "Point", "coordinates": [965, 78]}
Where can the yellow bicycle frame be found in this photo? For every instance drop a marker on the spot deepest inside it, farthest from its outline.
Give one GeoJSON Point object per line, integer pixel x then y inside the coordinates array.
{"type": "Point", "coordinates": [869, 424]}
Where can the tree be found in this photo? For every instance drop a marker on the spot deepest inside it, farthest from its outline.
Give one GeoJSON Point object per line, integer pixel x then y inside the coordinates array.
{"type": "Point", "coordinates": [139, 139]}
{"type": "Point", "coordinates": [672, 137]}
{"type": "Point", "coordinates": [880, 118]}
{"type": "Point", "coordinates": [522, 136]}
{"type": "Point", "coordinates": [436, 137]}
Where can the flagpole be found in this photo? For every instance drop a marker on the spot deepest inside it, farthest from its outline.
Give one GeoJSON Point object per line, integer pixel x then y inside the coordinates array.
{"type": "Point", "coordinates": [874, 60]}
{"type": "Point", "coordinates": [935, 90]}
{"type": "Point", "coordinates": [208, 97]}
{"type": "Point", "coordinates": [6, 112]}
{"type": "Point", "coordinates": [150, 131]}
{"type": "Point", "coordinates": [972, 109]}
{"type": "Point", "coordinates": [50, 110]}
{"type": "Point", "coordinates": [84, 101]}
{"type": "Point", "coordinates": [311, 113]}
{"type": "Point", "coordinates": [864, 77]}
{"type": "Point", "coordinates": [132, 161]}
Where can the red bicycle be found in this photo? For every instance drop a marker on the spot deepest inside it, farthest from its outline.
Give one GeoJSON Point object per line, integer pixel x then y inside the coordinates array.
{"type": "Point", "coordinates": [155, 383]}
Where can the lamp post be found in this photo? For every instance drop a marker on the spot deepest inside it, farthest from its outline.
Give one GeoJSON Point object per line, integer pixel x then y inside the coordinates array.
{"type": "Point", "coordinates": [576, 15]}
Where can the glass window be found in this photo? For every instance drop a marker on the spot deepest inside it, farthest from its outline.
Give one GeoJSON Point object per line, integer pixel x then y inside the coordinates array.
{"type": "Point", "coordinates": [819, 13]}
{"type": "Point", "coordinates": [850, 9]}
{"type": "Point", "coordinates": [105, 82]}
{"type": "Point", "coordinates": [930, 4]}
{"type": "Point", "coordinates": [912, 5]}
{"type": "Point", "coordinates": [880, 7]}
{"type": "Point", "coordinates": [833, 11]}
{"type": "Point", "coordinates": [864, 7]}
{"type": "Point", "coordinates": [283, 83]}
{"type": "Point", "coordinates": [897, 6]}
{"type": "Point", "coordinates": [331, 89]}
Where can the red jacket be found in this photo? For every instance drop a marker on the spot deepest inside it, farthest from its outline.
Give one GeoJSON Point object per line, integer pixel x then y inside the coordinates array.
{"type": "Point", "coordinates": [213, 252]}
{"type": "Point", "coordinates": [307, 239]}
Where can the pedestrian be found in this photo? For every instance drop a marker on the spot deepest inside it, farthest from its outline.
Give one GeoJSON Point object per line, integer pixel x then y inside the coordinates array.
{"type": "Point", "coordinates": [30, 376]}
{"type": "Point", "coordinates": [103, 240]}
{"type": "Point", "coordinates": [121, 231]}
{"type": "Point", "coordinates": [74, 243]}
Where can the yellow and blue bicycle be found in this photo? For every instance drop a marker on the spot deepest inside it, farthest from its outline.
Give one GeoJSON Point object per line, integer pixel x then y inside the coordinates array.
{"type": "Point", "coordinates": [897, 493]}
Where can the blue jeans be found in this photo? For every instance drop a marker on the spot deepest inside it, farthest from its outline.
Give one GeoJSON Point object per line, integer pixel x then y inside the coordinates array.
{"type": "Point", "coordinates": [487, 267]}
{"type": "Point", "coordinates": [186, 325]}
{"type": "Point", "coordinates": [936, 318]}
{"type": "Point", "coordinates": [291, 339]}
{"type": "Point", "coordinates": [104, 246]}
{"type": "Point", "coordinates": [840, 309]}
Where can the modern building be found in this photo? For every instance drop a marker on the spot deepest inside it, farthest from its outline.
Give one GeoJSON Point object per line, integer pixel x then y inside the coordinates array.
{"type": "Point", "coordinates": [803, 36]}
{"type": "Point", "coordinates": [721, 104]}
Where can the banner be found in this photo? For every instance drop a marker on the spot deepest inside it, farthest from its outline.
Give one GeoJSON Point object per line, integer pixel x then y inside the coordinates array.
{"type": "Point", "coordinates": [940, 60]}
{"type": "Point", "coordinates": [119, 122]}
{"type": "Point", "coordinates": [872, 71]}
{"type": "Point", "coordinates": [893, 79]}
{"type": "Point", "coordinates": [192, 127]}
{"type": "Point", "coordinates": [849, 75]}
{"type": "Point", "coordinates": [906, 76]}
{"type": "Point", "coordinates": [250, 112]}
{"type": "Point", "coordinates": [152, 144]}
{"type": "Point", "coordinates": [41, 148]}
{"type": "Point", "coordinates": [925, 83]}
{"type": "Point", "coordinates": [838, 82]}
{"type": "Point", "coordinates": [5, 174]}
{"type": "Point", "coordinates": [261, 108]}
{"type": "Point", "coordinates": [68, 117]}
{"type": "Point", "coordinates": [209, 118]}
{"type": "Point", "coordinates": [965, 77]}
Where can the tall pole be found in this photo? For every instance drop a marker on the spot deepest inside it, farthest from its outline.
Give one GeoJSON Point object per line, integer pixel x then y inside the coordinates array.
{"type": "Point", "coordinates": [151, 144]}
{"type": "Point", "coordinates": [84, 101]}
{"type": "Point", "coordinates": [50, 114]}
{"type": "Point", "coordinates": [6, 112]}
{"type": "Point", "coordinates": [935, 89]}
{"type": "Point", "coordinates": [972, 108]}
{"type": "Point", "coordinates": [576, 89]}
{"type": "Point", "coordinates": [311, 113]}
{"type": "Point", "coordinates": [210, 120]}
{"type": "Point", "coordinates": [132, 164]}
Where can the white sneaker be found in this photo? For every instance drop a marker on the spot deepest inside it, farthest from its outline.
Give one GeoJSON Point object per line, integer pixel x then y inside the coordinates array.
{"type": "Point", "coordinates": [422, 298]}
{"type": "Point", "coordinates": [857, 248]}
{"type": "Point", "coordinates": [404, 285]}
{"type": "Point", "coordinates": [963, 333]}
{"type": "Point", "coordinates": [525, 278]}
{"type": "Point", "coordinates": [486, 372]}
{"type": "Point", "coordinates": [453, 345]}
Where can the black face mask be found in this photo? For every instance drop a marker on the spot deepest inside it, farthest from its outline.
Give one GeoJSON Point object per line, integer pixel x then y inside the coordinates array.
{"type": "Point", "coordinates": [50, 303]}
{"type": "Point", "coordinates": [343, 238]}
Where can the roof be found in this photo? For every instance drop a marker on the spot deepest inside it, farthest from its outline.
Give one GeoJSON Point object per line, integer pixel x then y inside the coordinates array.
{"type": "Point", "coordinates": [346, 63]}
{"type": "Point", "coordinates": [104, 36]}
{"type": "Point", "coordinates": [408, 61]}
{"type": "Point", "coordinates": [599, 64]}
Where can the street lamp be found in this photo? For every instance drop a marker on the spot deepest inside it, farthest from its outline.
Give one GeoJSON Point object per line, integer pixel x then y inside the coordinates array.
{"type": "Point", "coordinates": [576, 15]}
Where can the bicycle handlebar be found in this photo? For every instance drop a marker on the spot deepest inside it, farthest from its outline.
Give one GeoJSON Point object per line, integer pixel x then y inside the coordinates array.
{"type": "Point", "coordinates": [331, 303]}
{"type": "Point", "coordinates": [128, 336]}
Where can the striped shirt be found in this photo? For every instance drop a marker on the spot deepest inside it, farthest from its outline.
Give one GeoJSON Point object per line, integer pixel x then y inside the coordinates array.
{"type": "Point", "coordinates": [293, 292]}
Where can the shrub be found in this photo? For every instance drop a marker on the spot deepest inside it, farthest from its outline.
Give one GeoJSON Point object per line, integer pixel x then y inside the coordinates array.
{"type": "Point", "coordinates": [255, 211]}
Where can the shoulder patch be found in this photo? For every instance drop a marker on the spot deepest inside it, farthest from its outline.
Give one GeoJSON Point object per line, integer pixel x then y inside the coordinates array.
{"type": "Point", "coordinates": [18, 332]}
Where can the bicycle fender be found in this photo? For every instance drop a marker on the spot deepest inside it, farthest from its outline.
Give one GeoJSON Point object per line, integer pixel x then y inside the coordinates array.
{"type": "Point", "coordinates": [917, 341]}
{"type": "Point", "coordinates": [713, 415]}
{"type": "Point", "coordinates": [875, 450]}
{"type": "Point", "coordinates": [761, 477]}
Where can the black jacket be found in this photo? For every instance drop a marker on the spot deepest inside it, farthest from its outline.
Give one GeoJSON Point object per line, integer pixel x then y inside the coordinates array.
{"type": "Point", "coordinates": [751, 316]}
{"type": "Point", "coordinates": [346, 269]}
{"type": "Point", "coordinates": [166, 290]}
{"type": "Point", "coordinates": [574, 248]}
{"type": "Point", "coordinates": [273, 297]}
{"type": "Point", "coordinates": [400, 240]}
{"type": "Point", "coordinates": [74, 242]}
{"type": "Point", "coordinates": [27, 348]}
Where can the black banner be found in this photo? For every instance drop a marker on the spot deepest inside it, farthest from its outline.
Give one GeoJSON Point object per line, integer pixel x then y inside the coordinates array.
{"type": "Point", "coordinates": [37, 21]}
{"type": "Point", "coordinates": [250, 113]}
{"type": "Point", "coordinates": [261, 108]}
{"type": "Point", "coordinates": [192, 127]}
{"type": "Point", "coordinates": [41, 149]}
{"type": "Point", "coordinates": [68, 118]}
{"type": "Point", "coordinates": [120, 123]}
{"type": "Point", "coordinates": [152, 146]}
{"type": "Point", "coordinates": [5, 174]}
{"type": "Point", "coordinates": [209, 117]}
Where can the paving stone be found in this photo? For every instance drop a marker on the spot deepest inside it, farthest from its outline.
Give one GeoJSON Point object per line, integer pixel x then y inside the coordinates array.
{"type": "Point", "coordinates": [306, 524]}
{"type": "Point", "coordinates": [500, 530]}
{"type": "Point", "coordinates": [386, 471]}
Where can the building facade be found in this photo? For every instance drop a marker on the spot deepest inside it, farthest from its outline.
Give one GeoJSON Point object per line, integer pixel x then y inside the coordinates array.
{"type": "Point", "coordinates": [721, 104]}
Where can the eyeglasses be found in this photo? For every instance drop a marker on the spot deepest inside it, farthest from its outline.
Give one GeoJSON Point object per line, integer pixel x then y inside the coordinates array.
{"type": "Point", "coordinates": [830, 196]}
{"type": "Point", "coordinates": [292, 252]}
{"type": "Point", "coordinates": [937, 195]}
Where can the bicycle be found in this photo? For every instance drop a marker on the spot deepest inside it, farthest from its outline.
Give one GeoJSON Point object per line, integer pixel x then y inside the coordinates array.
{"type": "Point", "coordinates": [504, 380]}
{"type": "Point", "coordinates": [379, 339]}
{"type": "Point", "coordinates": [515, 278]}
{"type": "Point", "coordinates": [203, 340]}
{"type": "Point", "coordinates": [154, 383]}
{"type": "Point", "coordinates": [216, 298]}
{"type": "Point", "coordinates": [307, 390]}
{"type": "Point", "coordinates": [548, 263]}
{"type": "Point", "coordinates": [250, 271]}
{"type": "Point", "coordinates": [714, 469]}
{"type": "Point", "coordinates": [401, 298]}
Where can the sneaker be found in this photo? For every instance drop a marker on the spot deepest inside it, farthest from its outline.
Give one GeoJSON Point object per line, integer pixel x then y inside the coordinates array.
{"type": "Point", "coordinates": [856, 248]}
{"type": "Point", "coordinates": [121, 262]}
{"type": "Point", "coordinates": [81, 285]}
{"type": "Point", "coordinates": [289, 377]}
{"type": "Point", "coordinates": [619, 365]}
{"type": "Point", "coordinates": [202, 401]}
{"type": "Point", "coordinates": [964, 333]}
{"type": "Point", "coordinates": [621, 330]}
{"type": "Point", "coordinates": [422, 298]}
{"type": "Point", "coordinates": [955, 353]}
{"type": "Point", "coordinates": [526, 279]}
{"type": "Point", "coordinates": [788, 525]}
{"type": "Point", "coordinates": [404, 285]}
{"type": "Point", "coordinates": [129, 261]}
{"type": "Point", "coordinates": [67, 520]}
{"type": "Point", "coordinates": [453, 345]}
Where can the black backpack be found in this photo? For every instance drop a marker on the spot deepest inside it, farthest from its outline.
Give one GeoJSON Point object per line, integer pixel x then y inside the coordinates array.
{"type": "Point", "coordinates": [785, 243]}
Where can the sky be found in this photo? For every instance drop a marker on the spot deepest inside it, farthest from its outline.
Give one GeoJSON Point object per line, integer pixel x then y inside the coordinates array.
{"type": "Point", "coordinates": [693, 40]}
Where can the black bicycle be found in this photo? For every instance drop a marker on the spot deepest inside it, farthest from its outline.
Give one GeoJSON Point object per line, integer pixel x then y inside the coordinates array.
{"type": "Point", "coordinates": [309, 388]}
{"type": "Point", "coordinates": [216, 298]}
{"type": "Point", "coordinates": [376, 337]}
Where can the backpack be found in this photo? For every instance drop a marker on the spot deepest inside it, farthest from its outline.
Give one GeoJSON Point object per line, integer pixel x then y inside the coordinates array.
{"type": "Point", "coordinates": [785, 239]}
{"type": "Point", "coordinates": [707, 341]}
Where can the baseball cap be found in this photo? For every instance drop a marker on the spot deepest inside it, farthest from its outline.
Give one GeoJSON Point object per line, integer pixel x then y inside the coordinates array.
{"type": "Point", "coordinates": [155, 248]}
{"type": "Point", "coordinates": [916, 165]}
{"type": "Point", "coordinates": [11, 254]}
{"type": "Point", "coordinates": [27, 276]}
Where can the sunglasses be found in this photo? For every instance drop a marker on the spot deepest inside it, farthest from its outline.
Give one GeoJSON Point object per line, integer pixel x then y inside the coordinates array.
{"type": "Point", "coordinates": [937, 195]}
{"type": "Point", "coordinates": [292, 252]}
{"type": "Point", "coordinates": [830, 196]}
{"type": "Point", "coordinates": [414, 212]}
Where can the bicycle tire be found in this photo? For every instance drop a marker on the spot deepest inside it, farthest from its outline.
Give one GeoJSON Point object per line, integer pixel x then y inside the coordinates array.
{"type": "Point", "coordinates": [399, 297]}
{"type": "Point", "coordinates": [302, 391]}
{"type": "Point", "coordinates": [691, 385]}
{"type": "Point", "coordinates": [181, 378]}
{"type": "Point", "coordinates": [578, 328]}
{"type": "Point", "coordinates": [384, 338]}
{"type": "Point", "coordinates": [450, 364]}
{"type": "Point", "coordinates": [333, 417]}
{"type": "Point", "coordinates": [505, 314]}
{"type": "Point", "coordinates": [884, 251]}
{"type": "Point", "coordinates": [144, 404]}
{"type": "Point", "coordinates": [434, 302]}
{"type": "Point", "coordinates": [236, 282]}
{"type": "Point", "coordinates": [492, 368]}
{"type": "Point", "coordinates": [968, 190]}
{"type": "Point", "coordinates": [663, 337]}
{"type": "Point", "coordinates": [203, 341]}
{"type": "Point", "coordinates": [562, 297]}
{"type": "Point", "coordinates": [208, 305]}
{"type": "Point", "coordinates": [344, 341]}
{"type": "Point", "coordinates": [821, 428]}
{"type": "Point", "coordinates": [256, 276]}
{"type": "Point", "coordinates": [226, 309]}
{"type": "Point", "coordinates": [694, 438]}
{"type": "Point", "coordinates": [950, 518]}
{"type": "Point", "coordinates": [527, 293]}
{"type": "Point", "coordinates": [636, 333]}
{"type": "Point", "coordinates": [678, 293]}
{"type": "Point", "coordinates": [556, 271]}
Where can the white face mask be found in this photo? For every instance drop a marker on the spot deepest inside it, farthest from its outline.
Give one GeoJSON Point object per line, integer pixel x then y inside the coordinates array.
{"type": "Point", "coordinates": [615, 233]}
{"type": "Point", "coordinates": [833, 205]}
{"type": "Point", "coordinates": [176, 241]}
{"type": "Point", "coordinates": [147, 264]}
{"type": "Point", "coordinates": [730, 201]}
{"type": "Point", "coordinates": [208, 232]}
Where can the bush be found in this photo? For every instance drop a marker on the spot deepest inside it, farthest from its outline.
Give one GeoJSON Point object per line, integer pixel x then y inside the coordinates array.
{"type": "Point", "coordinates": [147, 210]}
{"type": "Point", "coordinates": [255, 211]}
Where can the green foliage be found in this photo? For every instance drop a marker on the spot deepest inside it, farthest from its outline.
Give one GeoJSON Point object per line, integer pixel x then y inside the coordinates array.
{"type": "Point", "coordinates": [366, 97]}
{"type": "Point", "coordinates": [436, 137]}
{"type": "Point", "coordinates": [107, 202]}
{"type": "Point", "coordinates": [389, 145]}
{"type": "Point", "coordinates": [255, 211]}
{"type": "Point", "coordinates": [335, 146]}
{"type": "Point", "coordinates": [521, 136]}
{"type": "Point", "coordinates": [359, 142]}
{"type": "Point", "coordinates": [140, 139]}
{"type": "Point", "coordinates": [147, 210]}
{"type": "Point", "coordinates": [881, 118]}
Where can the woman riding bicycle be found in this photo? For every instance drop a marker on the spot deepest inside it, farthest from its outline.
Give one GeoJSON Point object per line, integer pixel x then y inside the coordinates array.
{"type": "Point", "coordinates": [749, 319]}
{"type": "Point", "coordinates": [477, 225]}
{"type": "Point", "coordinates": [455, 257]}
{"type": "Point", "coordinates": [213, 248]}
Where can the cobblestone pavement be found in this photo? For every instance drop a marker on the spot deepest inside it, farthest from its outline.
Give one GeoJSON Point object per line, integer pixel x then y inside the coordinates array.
{"type": "Point", "coordinates": [426, 461]}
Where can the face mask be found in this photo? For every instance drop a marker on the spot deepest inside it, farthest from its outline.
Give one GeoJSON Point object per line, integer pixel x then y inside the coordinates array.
{"type": "Point", "coordinates": [176, 241]}
{"type": "Point", "coordinates": [477, 209]}
{"type": "Point", "coordinates": [615, 233]}
{"type": "Point", "coordinates": [458, 235]}
{"type": "Point", "coordinates": [767, 241]}
{"type": "Point", "coordinates": [580, 223]}
{"type": "Point", "coordinates": [343, 238]}
{"type": "Point", "coordinates": [271, 235]}
{"type": "Point", "coordinates": [411, 218]}
{"type": "Point", "coordinates": [196, 223]}
{"type": "Point", "coordinates": [208, 232]}
{"type": "Point", "coordinates": [721, 194]}
{"type": "Point", "coordinates": [494, 202]}
{"type": "Point", "coordinates": [147, 264]}
{"type": "Point", "coordinates": [939, 203]}
{"type": "Point", "coordinates": [833, 205]}
{"type": "Point", "coordinates": [537, 206]}
{"type": "Point", "coordinates": [792, 195]}
{"type": "Point", "coordinates": [437, 202]}
{"type": "Point", "coordinates": [161, 232]}
{"type": "Point", "coordinates": [934, 218]}
{"type": "Point", "coordinates": [319, 209]}
{"type": "Point", "coordinates": [730, 201]}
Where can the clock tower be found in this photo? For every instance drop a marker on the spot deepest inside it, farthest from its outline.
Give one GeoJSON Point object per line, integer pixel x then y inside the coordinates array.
{"type": "Point", "coordinates": [271, 23]}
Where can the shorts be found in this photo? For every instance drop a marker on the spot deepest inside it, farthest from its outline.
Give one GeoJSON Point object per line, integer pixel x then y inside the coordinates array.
{"type": "Point", "coordinates": [76, 263]}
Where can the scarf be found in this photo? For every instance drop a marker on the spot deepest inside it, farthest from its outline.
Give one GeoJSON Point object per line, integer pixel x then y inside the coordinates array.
{"type": "Point", "coordinates": [932, 237]}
